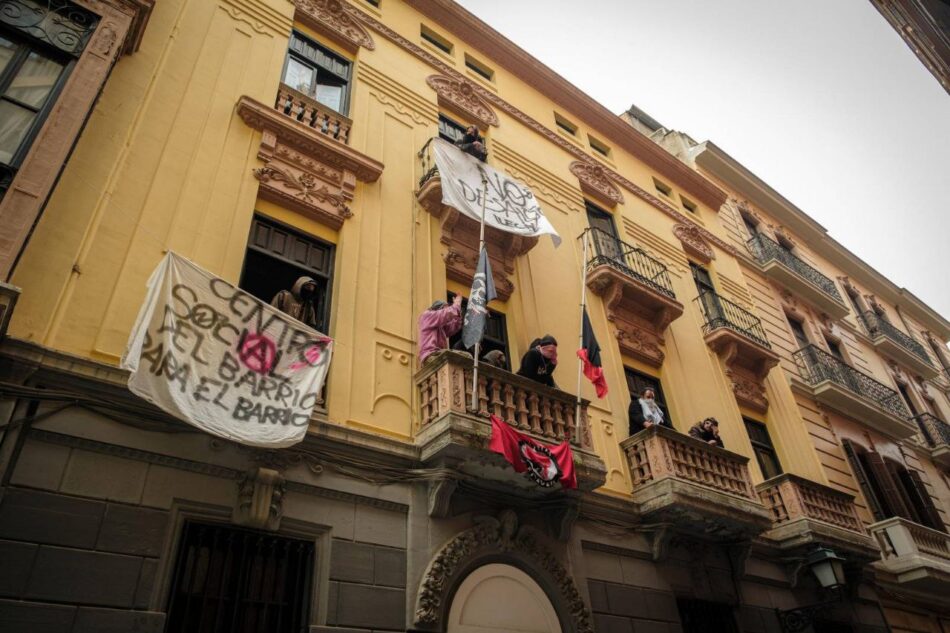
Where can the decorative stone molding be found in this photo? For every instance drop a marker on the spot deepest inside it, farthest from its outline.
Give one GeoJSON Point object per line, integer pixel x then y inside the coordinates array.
{"type": "Point", "coordinates": [694, 242]}
{"type": "Point", "coordinates": [460, 95]}
{"type": "Point", "coordinates": [596, 183]}
{"type": "Point", "coordinates": [305, 169]}
{"type": "Point", "coordinates": [640, 343]}
{"type": "Point", "coordinates": [260, 499]}
{"type": "Point", "coordinates": [748, 389]}
{"type": "Point", "coordinates": [336, 20]}
{"type": "Point", "coordinates": [489, 538]}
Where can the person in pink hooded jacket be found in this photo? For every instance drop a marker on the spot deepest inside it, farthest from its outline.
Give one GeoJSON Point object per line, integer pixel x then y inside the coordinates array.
{"type": "Point", "coordinates": [437, 325]}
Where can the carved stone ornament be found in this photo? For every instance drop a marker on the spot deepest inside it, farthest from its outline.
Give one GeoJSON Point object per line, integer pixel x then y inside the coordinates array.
{"type": "Point", "coordinates": [460, 95]}
{"type": "Point", "coordinates": [748, 390]}
{"type": "Point", "coordinates": [337, 20]}
{"type": "Point", "coordinates": [596, 182]}
{"type": "Point", "coordinates": [640, 343]}
{"type": "Point", "coordinates": [260, 499]}
{"type": "Point", "coordinates": [488, 538]}
{"type": "Point", "coordinates": [693, 242]}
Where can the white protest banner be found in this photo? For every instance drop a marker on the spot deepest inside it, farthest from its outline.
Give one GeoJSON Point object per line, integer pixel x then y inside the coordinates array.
{"type": "Point", "coordinates": [509, 205]}
{"type": "Point", "coordinates": [222, 360]}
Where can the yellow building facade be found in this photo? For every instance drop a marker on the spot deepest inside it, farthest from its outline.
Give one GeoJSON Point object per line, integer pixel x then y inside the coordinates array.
{"type": "Point", "coordinates": [268, 139]}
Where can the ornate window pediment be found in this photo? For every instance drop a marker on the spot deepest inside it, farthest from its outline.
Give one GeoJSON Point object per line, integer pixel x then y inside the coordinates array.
{"type": "Point", "coordinates": [693, 242]}
{"type": "Point", "coordinates": [461, 96]}
{"type": "Point", "coordinates": [595, 182]}
{"type": "Point", "coordinates": [335, 19]}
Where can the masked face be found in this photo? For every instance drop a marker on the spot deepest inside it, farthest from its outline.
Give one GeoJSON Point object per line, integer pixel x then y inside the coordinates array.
{"type": "Point", "coordinates": [548, 351]}
{"type": "Point", "coordinates": [308, 291]}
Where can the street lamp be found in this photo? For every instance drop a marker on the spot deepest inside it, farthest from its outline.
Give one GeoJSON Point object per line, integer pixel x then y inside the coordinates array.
{"type": "Point", "coordinates": [828, 569]}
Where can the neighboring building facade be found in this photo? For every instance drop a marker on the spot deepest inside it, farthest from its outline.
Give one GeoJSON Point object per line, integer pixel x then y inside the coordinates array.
{"type": "Point", "coordinates": [925, 26]}
{"type": "Point", "coordinates": [267, 140]}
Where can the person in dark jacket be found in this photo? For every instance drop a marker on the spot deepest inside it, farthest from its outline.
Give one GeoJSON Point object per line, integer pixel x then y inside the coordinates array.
{"type": "Point", "coordinates": [707, 431]}
{"type": "Point", "coordinates": [299, 301]}
{"type": "Point", "coordinates": [473, 143]}
{"type": "Point", "coordinates": [540, 361]}
{"type": "Point", "coordinates": [644, 412]}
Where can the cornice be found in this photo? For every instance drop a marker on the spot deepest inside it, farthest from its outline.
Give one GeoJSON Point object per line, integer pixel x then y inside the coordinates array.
{"type": "Point", "coordinates": [332, 18]}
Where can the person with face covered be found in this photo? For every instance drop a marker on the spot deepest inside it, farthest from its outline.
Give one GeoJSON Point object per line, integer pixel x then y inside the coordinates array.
{"type": "Point", "coordinates": [473, 143]}
{"type": "Point", "coordinates": [644, 412]}
{"type": "Point", "coordinates": [437, 325]}
{"type": "Point", "coordinates": [298, 302]}
{"type": "Point", "coordinates": [540, 361]}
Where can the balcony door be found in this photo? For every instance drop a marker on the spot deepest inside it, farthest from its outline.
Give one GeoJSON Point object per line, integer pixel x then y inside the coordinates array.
{"type": "Point", "coordinates": [605, 240]}
{"type": "Point", "coordinates": [712, 308]}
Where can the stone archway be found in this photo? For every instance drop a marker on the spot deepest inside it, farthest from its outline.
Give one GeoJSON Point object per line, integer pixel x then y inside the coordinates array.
{"type": "Point", "coordinates": [499, 597]}
{"type": "Point", "coordinates": [494, 541]}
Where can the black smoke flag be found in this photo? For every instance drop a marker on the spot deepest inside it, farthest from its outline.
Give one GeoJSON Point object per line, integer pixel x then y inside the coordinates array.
{"type": "Point", "coordinates": [483, 291]}
{"type": "Point", "coordinates": [589, 354]}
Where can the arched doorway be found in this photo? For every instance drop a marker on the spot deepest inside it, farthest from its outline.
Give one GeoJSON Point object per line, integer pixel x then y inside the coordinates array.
{"type": "Point", "coordinates": [498, 598]}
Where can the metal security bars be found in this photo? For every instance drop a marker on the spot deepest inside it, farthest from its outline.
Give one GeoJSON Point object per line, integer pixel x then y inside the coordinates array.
{"type": "Point", "coordinates": [816, 366]}
{"type": "Point", "coordinates": [935, 430]}
{"type": "Point", "coordinates": [876, 325]}
{"type": "Point", "coordinates": [58, 23]}
{"type": "Point", "coordinates": [720, 312]}
{"type": "Point", "coordinates": [609, 250]}
{"type": "Point", "coordinates": [766, 249]}
{"type": "Point", "coordinates": [230, 580]}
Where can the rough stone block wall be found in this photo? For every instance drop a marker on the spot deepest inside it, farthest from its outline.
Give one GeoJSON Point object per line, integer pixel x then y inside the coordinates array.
{"type": "Point", "coordinates": [367, 587]}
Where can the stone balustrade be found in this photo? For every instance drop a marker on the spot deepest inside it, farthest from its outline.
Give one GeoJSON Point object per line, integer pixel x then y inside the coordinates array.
{"type": "Point", "coordinates": [312, 113]}
{"type": "Point", "coordinates": [789, 498]}
{"type": "Point", "coordinates": [900, 538]}
{"type": "Point", "coordinates": [445, 386]}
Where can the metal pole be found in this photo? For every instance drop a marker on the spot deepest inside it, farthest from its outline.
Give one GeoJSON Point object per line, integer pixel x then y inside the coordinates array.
{"type": "Point", "coordinates": [580, 366]}
{"type": "Point", "coordinates": [481, 245]}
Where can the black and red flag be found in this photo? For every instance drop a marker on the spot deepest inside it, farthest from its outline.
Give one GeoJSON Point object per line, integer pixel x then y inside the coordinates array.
{"type": "Point", "coordinates": [545, 464]}
{"type": "Point", "coordinates": [589, 353]}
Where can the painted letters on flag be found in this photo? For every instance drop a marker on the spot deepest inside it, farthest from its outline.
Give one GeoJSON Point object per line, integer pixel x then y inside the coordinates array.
{"type": "Point", "coordinates": [509, 205]}
{"type": "Point", "coordinates": [220, 359]}
{"type": "Point", "coordinates": [483, 291]}
{"type": "Point", "coordinates": [544, 464]}
{"type": "Point", "coordinates": [589, 354]}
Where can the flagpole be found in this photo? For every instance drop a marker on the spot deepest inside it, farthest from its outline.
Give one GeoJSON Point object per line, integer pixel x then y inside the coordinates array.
{"type": "Point", "coordinates": [481, 245]}
{"type": "Point", "coordinates": [580, 345]}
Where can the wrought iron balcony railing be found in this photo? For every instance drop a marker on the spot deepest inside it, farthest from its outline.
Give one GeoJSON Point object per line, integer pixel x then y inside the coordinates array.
{"type": "Point", "coordinates": [766, 249]}
{"type": "Point", "coordinates": [312, 113]}
{"type": "Point", "coordinates": [877, 325]}
{"type": "Point", "coordinates": [817, 366]}
{"type": "Point", "coordinates": [720, 312]}
{"type": "Point", "coordinates": [607, 249]}
{"type": "Point", "coordinates": [935, 430]}
{"type": "Point", "coordinates": [429, 169]}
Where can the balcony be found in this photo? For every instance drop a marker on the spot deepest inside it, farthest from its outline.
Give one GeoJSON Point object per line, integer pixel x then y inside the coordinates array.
{"type": "Point", "coordinates": [913, 555]}
{"type": "Point", "coordinates": [637, 294]}
{"type": "Point", "coordinates": [900, 346]}
{"type": "Point", "coordinates": [738, 337]}
{"type": "Point", "coordinates": [854, 393]}
{"type": "Point", "coordinates": [692, 487]}
{"type": "Point", "coordinates": [936, 434]}
{"type": "Point", "coordinates": [450, 436]}
{"type": "Point", "coordinates": [803, 280]}
{"type": "Point", "coordinates": [805, 513]}
{"type": "Point", "coordinates": [308, 164]}
{"type": "Point", "coordinates": [460, 235]}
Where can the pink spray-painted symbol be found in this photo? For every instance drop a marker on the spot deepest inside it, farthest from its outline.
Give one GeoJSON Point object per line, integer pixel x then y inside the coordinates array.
{"type": "Point", "coordinates": [258, 353]}
{"type": "Point", "coordinates": [312, 355]}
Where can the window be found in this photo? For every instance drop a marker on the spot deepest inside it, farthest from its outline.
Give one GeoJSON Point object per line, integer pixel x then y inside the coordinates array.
{"type": "Point", "coordinates": [638, 382]}
{"type": "Point", "coordinates": [318, 73]}
{"type": "Point", "coordinates": [373, 3]}
{"type": "Point", "coordinates": [277, 256]}
{"type": "Point", "coordinates": [938, 355]}
{"type": "Point", "coordinates": [688, 204]}
{"type": "Point", "coordinates": [436, 40]}
{"type": "Point", "coordinates": [450, 130]}
{"type": "Point", "coordinates": [762, 447]}
{"type": "Point", "coordinates": [902, 389]}
{"type": "Point", "coordinates": [479, 68]}
{"type": "Point", "coordinates": [798, 330]}
{"type": "Point", "coordinates": [751, 227]}
{"type": "Point", "coordinates": [712, 309]}
{"type": "Point", "coordinates": [701, 616]}
{"type": "Point", "coordinates": [605, 240]}
{"type": "Point", "coordinates": [663, 188]}
{"type": "Point", "coordinates": [835, 350]}
{"type": "Point", "coordinates": [32, 74]}
{"type": "Point", "coordinates": [855, 303]}
{"type": "Point", "coordinates": [229, 579]}
{"type": "Point", "coordinates": [599, 146]}
{"type": "Point", "coordinates": [495, 337]}
{"type": "Point", "coordinates": [565, 125]}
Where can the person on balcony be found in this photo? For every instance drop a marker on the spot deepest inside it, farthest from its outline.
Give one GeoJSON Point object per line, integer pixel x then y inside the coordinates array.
{"type": "Point", "coordinates": [473, 143]}
{"type": "Point", "coordinates": [437, 324]}
{"type": "Point", "coordinates": [707, 431]}
{"type": "Point", "coordinates": [496, 358]}
{"type": "Point", "coordinates": [298, 302]}
{"type": "Point", "coordinates": [644, 412]}
{"type": "Point", "coordinates": [540, 361]}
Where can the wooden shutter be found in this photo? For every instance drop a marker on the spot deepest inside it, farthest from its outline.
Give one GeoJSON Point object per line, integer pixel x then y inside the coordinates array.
{"type": "Point", "coordinates": [928, 509]}
{"type": "Point", "coordinates": [864, 480]}
{"type": "Point", "coordinates": [889, 487]}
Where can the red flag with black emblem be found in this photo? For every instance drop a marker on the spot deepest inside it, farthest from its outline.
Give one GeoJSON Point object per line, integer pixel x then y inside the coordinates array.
{"type": "Point", "coordinates": [546, 465]}
{"type": "Point", "coordinates": [589, 354]}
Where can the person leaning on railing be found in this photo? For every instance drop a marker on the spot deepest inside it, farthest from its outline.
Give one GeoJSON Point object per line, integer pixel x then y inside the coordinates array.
{"type": "Point", "coordinates": [473, 143]}
{"type": "Point", "coordinates": [644, 412]}
{"type": "Point", "coordinates": [707, 431]}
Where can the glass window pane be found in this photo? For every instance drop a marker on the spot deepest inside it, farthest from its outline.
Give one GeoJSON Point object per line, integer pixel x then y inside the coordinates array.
{"type": "Point", "coordinates": [7, 48]}
{"type": "Point", "coordinates": [14, 124]}
{"type": "Point", "coordinates": [299, 76]}
{"type": "Point", "coordinates": [330, 96]}
{"type": "Point", "coordinates": [35, 80]}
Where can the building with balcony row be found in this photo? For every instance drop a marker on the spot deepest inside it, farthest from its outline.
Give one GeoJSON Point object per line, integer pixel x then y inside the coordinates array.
{"type": "Point", "coordinates": [271, 139]}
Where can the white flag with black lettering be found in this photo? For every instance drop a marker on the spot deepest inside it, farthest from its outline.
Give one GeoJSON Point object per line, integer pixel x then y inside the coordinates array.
{"type": "Point", "coordinates": [220, 359]}
{"type": "Point", "coordinates": [509, 205]}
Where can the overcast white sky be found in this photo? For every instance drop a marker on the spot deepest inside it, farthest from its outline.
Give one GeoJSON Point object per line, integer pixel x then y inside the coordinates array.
{"type": "Point", "coordinates": [821, 99]}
